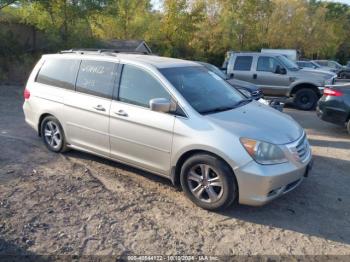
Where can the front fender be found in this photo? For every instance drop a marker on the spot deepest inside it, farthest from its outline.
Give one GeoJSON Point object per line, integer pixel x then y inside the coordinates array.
{"type": "Point", "coordinates": [303, 83]}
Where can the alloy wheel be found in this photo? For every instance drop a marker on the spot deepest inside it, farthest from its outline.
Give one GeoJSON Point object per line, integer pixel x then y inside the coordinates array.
{"type": "Point", "coordinates": [205, 183]}
{"type": "Point", "coordinates": [52, 135]}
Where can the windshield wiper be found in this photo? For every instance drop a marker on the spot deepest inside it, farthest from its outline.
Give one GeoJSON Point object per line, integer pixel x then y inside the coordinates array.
{"type": "Point", "coordinates": [217, 110]}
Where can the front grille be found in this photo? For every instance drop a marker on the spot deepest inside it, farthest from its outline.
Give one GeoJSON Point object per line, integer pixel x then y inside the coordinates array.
{"type": "Point", "coordinates": [303, 148]}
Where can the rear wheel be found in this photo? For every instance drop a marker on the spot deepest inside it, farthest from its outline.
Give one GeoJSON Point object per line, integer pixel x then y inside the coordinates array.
{"type": "Point", "coordinates": [305, 99]}
{"type": "Point", "coordinates": [53, 135]}
{"type": "Point", "coordinates": [208, 182]}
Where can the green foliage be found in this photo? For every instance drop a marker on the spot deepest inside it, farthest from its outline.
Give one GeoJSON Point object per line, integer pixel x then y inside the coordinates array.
{"type": "Point", "coordinates": [192, 29]}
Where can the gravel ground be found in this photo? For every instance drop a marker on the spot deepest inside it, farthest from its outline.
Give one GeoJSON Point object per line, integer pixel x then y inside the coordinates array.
{"type": "Point", "coordinates": [79, 204]}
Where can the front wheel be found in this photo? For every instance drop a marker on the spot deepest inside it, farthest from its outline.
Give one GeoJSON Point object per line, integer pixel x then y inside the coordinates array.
{"type": "Point", "coordinates": [343, 75]}
{"type": "Point", "coordinates": [305, 99]}
{"type": "Point", "coordinates": [208, 182]}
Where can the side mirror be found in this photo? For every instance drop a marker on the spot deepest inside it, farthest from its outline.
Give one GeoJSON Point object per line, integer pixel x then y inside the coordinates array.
{"type": "Point", "coordinates": [280, 70]}
{"type": "Point", "coordinates": [162, 105]}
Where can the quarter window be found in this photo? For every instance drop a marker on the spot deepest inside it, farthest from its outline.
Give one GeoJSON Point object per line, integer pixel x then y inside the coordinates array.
{"type": "Point", "coordinates": [139, 87]}
{"type": "Point", "coordinates": [266, 64]}
{"type": "Point", "coordinates": [59, 73]}
{"type": "Point", "coordinates": [243, 63]}
{"type": "Point", "coordinates": [96, 78]}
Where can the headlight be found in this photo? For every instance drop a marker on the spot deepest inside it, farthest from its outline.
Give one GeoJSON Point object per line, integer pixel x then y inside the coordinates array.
{"type": "Point", "coordinates": [264, 153]}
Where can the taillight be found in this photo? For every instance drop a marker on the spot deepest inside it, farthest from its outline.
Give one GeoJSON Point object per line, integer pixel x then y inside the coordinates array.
{"type": "Point", "coordinates": [331, 92]}
{"type": "Point", "coordinates": [26, 93]}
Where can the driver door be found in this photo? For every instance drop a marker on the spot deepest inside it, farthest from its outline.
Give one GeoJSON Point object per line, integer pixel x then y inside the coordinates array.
{"type": "Point", "coordinates": [139, 136]}
{"type": "Point", "coordinates": [272, 84]}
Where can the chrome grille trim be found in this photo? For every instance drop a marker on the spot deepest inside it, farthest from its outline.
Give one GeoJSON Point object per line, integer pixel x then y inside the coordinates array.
{"type": "Point", "coordinates": [300, 149]}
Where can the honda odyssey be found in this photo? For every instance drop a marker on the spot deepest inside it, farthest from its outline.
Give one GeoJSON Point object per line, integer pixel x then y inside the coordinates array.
{"type": "Point", "coordinates": [170, 117]}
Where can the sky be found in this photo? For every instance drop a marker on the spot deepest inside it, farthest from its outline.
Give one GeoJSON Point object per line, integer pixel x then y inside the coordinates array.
{"type": "Point", "coordinates": [157, 3]}
{"type": "Point", "coordinates": [340, 1]}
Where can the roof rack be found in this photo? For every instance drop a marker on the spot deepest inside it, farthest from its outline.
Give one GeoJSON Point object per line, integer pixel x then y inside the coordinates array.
{"type": "Point", "coordinates": [111, 52]}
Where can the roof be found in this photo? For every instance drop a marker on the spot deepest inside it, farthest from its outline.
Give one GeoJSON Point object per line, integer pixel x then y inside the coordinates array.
{"type": "Point", "coordinates": [256, 53]}
{"type": "Point", "coordinates": [156, 61]}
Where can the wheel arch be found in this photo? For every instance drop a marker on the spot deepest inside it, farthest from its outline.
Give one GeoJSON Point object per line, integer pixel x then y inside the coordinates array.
{"type": "Point", "coordinates": [41, 118]}
{"type": "Point", "coordinates": [176, 169]}
{"type": "Point", "coordinates": [299, 86]}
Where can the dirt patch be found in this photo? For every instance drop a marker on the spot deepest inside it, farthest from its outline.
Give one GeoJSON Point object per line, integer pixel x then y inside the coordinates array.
{"type": "Point", "coordinates": [79, 204]}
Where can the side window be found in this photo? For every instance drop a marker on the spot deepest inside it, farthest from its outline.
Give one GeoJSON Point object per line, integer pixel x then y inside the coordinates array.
{"type": "Point", "coordinates": [266, 64]}
{"type": "Point", "coordinates": [139, 87]}
{"type": "Point", "coordinates": [59, 72]}
{"type": "Point", "coordinates": [96, 78]}
{"type": "Point", "coordinates": [243, 63]}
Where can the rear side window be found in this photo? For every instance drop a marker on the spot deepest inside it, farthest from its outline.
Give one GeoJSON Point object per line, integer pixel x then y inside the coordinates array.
{"type": "Point", "coordinates": [243, 63]}
{"type": "Point", "coordinates": [59, 73]}
{"type": "Point", "coordinates": [96, 78]}
{"type": "Point", "coordinates": [139, 87]}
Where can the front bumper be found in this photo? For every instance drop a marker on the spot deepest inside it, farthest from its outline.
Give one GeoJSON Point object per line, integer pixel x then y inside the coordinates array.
{"type": "Point", "coordinates": [260, 184]}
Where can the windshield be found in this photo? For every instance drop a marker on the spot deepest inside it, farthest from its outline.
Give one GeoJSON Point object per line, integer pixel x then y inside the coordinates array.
{"type": "Point", "coordinates": [288, 63]}
{"type": "Point", "coordinates": [204, 90]}
{"type": "Point", "coordinates": [214, 69]}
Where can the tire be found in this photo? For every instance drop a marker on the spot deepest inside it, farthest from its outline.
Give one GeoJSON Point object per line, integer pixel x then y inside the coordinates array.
{"type": "Point", "coordinates": [305, 99]}
{"type": "Point", "coordinates": [348, 126]}
{"type": "Point", "coordinates": [343, 75]}
{"type": "Point", "coordinates": [208, 182]}
{"type": "Point", "coordinates": [53, 135]}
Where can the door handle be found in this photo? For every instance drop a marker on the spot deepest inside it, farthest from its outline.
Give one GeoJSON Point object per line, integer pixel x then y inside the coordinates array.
{"type": "Point", "coordinates": [255, 76]}
{"type": "Point", "coordinates": [99, 108]}
{"type": "Point", "coordinates": [121, 113]}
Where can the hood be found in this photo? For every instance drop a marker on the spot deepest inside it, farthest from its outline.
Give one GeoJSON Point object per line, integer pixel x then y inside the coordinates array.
{"type": "Point", "coordinates": [257, 121]}
{"type": "Point", "coordinates": [319, 74]}
{"type": "Point", "coordinates": [242, 84]}
{"type": "Point", "coordinates": [328, 69]}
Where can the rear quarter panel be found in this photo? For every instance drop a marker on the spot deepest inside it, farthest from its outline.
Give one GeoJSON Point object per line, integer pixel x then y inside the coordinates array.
{"type": "Point", "coordinates": [44, 99]}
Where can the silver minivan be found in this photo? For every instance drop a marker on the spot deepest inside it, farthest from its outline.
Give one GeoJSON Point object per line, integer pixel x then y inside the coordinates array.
{"type": "Point", "coordinates": [171, 117]}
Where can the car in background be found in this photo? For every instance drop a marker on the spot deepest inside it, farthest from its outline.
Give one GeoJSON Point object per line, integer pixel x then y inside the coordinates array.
{"type": "Point", "coordinates": [323, 65]}
{"type": "Point", "coordinates": [342, 71]}
{"type": "Point", "coordinates": [334, 106]}
{"type": "Point", "coordinates": [278, 76]}
{"type": "Point", "coordinates": [311, 65]}
{"type": "Point", "coordinates": [307, 64]}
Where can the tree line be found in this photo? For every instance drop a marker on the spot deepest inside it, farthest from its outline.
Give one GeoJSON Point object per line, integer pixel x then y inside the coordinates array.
{"type": "Point", "coordinates": [192, 29]}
